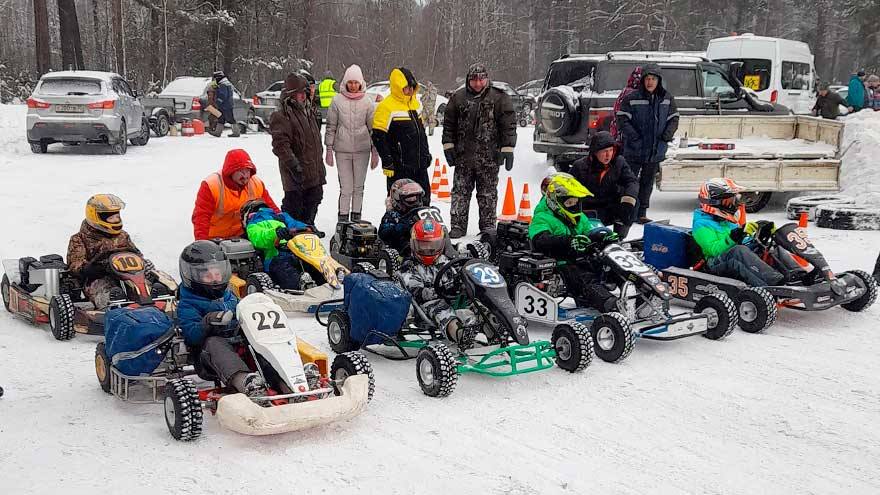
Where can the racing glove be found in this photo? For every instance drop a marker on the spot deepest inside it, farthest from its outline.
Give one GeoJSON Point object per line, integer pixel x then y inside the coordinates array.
{"type": "Point", "coordinates": [217, 323]}
{"type": "Point", "coordinates": [580, 243]}
{"type": "Point", "coordinates": [282, 234]}
{"type": "Point", "coordinates": [737, 235]}
{"type": "Point", "coordinates": [449, 153]}
{"type": "Point", "coordinates": [428, 294]}
{"type": "Point", "coordinates": [761, 227]}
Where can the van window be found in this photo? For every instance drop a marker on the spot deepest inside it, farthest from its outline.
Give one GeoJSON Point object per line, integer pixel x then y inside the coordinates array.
{"type": "Point", "coordinates": [795, 75]}
{"type": "Point", "coordinates": [568, 72]}
{"type": "Point", "coordinates": [754, 74]}
{"type": "Point", "coordinates": [715, 85]}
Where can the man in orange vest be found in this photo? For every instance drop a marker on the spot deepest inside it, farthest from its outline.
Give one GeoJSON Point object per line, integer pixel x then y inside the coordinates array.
{"type": "Point", "coordinates": [222, 194]}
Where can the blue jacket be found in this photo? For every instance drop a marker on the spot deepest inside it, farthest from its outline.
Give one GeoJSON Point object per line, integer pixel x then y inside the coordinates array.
{"type": "Point", "coordinates": [647, 121]}
{"type": "Point", "coordinates": [261, 232]}
{"type": "Point", "coordinates": [856, 96]}
{"type": "Point", "coordinates": [193, 307]}
{"type": "Point", "coordinates": [223, 96]}
{"type": "Point", "coordinates": [394, 229]}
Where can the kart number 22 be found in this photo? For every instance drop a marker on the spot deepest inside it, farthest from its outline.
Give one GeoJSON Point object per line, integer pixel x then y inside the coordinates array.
{"type": "Point", "coordinates": [263, 320]}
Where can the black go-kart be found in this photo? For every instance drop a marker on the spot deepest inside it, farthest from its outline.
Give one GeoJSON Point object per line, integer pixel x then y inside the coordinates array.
{"type": "Point", "coordinates": [502, 346]}
{"type": "Point", "coordinates": [787, 249]}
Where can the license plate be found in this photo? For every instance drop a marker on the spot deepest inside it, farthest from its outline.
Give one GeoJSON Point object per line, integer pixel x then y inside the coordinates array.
{"type": "Point", "coordinates": [687, 327]}
{"type": "Point", "coordinates": [180, 105]}
{"type": "Point", "coordinates": [70, 108]}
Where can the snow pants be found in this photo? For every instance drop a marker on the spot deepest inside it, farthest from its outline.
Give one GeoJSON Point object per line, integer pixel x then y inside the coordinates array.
{"type": "Point", "coordinates": [98, 291]}
{"type": "Point", "coordinates": [483, 177]}
{"type": "Point", "coordinates": [302, 204]}
{"type": "Point", "coordinates": [219, 356]}
{"type": "Point", "coordinates": [442, 314]}
{"type": "Point", "coordinates": [646, 173]}
{"type": "Point", "coordinates": [742, 263]}
{"type": "Point", "coordinates": [583, 286]}
{"type": "Point", "coordinates": [285, 271]}
{"type": "Point", "coordinates": [352, 169]}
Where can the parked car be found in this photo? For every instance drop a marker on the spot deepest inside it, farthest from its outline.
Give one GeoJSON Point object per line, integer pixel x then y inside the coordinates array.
{"type": "Point", "coordinates": [532, 88]}
{"type": "Point", "coordinates": [77, 107]}
{"type": "Point", "coordinates": [191, 99]}
{"type": "Point", "coordinates": [266, 102]}
{"type": "Point", "coordinates": [580, 91]}
{"type": "Point", "coordinates": [383, 89]}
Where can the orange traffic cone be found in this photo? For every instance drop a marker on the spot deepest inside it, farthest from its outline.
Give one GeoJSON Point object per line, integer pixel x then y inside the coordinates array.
{"type": "Point", "coordinates": [508, 209]}
{"type": "Point", "coordinates": [443, 192]}
{"type": "Point", "coordinates": [802, 221]}
{"type": "Point", "coordinates": [525, 206]}
{"type": "Point", "coordinates": [435, 179]}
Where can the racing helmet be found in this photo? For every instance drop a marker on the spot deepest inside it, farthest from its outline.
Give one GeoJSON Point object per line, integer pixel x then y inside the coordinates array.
{"type": "Point", "coordinates": [205, 270]}
{"type": "Point", "coordinates": [564, 194]}
{"type": "Point", "coordinates": [102, 213]}
{"type": "Point", "coordinates": [406, 194]}
{"type": "Point", "coordinates": [250, 207]}
{"type": "Point", "coordinates": [427, 239]}
{"type": "Point", "coordinates": [721, 197]}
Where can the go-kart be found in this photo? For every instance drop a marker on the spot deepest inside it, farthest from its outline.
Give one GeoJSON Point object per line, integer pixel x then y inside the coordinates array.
{"type": "Point", "coordinates": [787, 249]}
{"type": "Point", "coordinates": [322, 275]}
{"type": "Point", "coordinates": [502, 349]}
{"type": "Point", "coordinates": [302, 393]}
{"type": "Point", "coordinates": [643, 308]}
{"type": "Point", "coordinates": [43, 291]}
{"type": "Point", "coordinates": [357, 242]}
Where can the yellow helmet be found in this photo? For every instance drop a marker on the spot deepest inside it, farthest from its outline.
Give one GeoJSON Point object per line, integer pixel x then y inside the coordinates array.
{"type": "Point", "coordinates": [100, 208]}
{"type": "Point", "coordinates": [563, 194]}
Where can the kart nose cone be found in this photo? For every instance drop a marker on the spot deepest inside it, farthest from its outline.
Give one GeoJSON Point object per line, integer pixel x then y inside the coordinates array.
{"type": "Point", "coordinates": [838, 287]}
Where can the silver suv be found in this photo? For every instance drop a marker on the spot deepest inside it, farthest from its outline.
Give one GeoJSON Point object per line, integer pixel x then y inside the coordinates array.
{"type": "Point", "coordinates": [76, 107]}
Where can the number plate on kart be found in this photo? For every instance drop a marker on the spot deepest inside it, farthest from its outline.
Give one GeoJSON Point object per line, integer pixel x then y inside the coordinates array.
{"type": "Point", "coordinates": [486, 275]}
{"type": "Point", "coordinates": [70, 108]}
{"type": "Point", "coordinates": [626, 260]}
{"type": "Point", "coordinates": [534, 304]}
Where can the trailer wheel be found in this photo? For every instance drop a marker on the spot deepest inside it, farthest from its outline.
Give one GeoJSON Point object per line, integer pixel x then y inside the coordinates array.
{"type": "Point", "coordinates": [353, 363]}
{"type": "Point", "coordinates": [183, 411]}
{"type": "Point", "coordinates": [721, 313]}
{"type": "Point", "coordinates": [613, 338]}
{"type": "Point", "coordinates": [573, 345]}
{"type": "Point", "coordinates": [756, 201]}
{"type": "Point", "coordinates": [102, 367]}
{"type": "Point", "coordinates": [867, 299]}
{"type": "Point", "coordinates": [61, 317]}
{"type": "Point", "coordinates": [163, 125]}
{"type": "Point", "coordinates": [436, 370]}
{"type": "Point", "coordinates": [756, 308]}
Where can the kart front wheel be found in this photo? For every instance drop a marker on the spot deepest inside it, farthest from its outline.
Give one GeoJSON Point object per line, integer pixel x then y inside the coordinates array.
{"type": "Point", "coordinates": [4, 291]}
{"type": "Point", "coordinates": [102, 367]}
{"type": "Point", "coordinates": [573, 346]}
{"type": "Point", "coordinates": [349, 364]}
{"type": "Point", "coordinates": [756, 308]}
{"type": "Point", "coordinates": [339, 332]}
{"type": "Point", "coordinates": [867, 299]}
{"type": "Point", "coordinates": [613, 338]}
{"type": "Point", "coordinates": [61, 317]}
{"type": "Point", "coordinates": [436, 370]}
{"type": "Point", "coordinates": [721, 313]}
{"type": "Point", "coordinates": [183, 411]}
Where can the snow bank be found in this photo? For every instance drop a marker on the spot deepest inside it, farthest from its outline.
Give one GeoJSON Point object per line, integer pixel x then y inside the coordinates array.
{"type": "Point", "coordinates": [12, 132]}
{"type": "Point", "coordinates": [860, 169]}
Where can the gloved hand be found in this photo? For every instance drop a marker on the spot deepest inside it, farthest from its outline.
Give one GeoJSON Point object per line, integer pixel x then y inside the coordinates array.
{"type": "Point", "coordinates": [429, 294]}
{"type": "Point", "coordinates": [374, 158]}
{"type": "Point", "coordinates": [328, 157]}
{"type": "Point", "coordinates": [282, 233]}
{"type": "Point", "coordinates": [388, 169]}
{"type": "Point", "coordinates": [507, 160]}
{"type": "Point", "coordinates": [737, 235]}
{"type": "Point", "coordinates": [761, 228]}
{"type": "Point", "coordinates": [450, 156]}
{"type": "Point", "coordinates": [293, 164]}
{"type": "Point", "coordinates": [625, 212]}
{"type": "Point", "coordinates": [217, 322]}
{"type": "Point", "coordinates": [580, 243]}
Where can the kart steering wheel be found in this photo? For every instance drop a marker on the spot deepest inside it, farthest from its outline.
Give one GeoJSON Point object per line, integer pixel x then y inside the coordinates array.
{"type": "Point", "coordinates": [445, 289]}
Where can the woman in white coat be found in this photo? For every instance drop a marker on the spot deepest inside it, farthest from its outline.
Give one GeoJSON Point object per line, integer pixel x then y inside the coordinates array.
{"type": "Point", "coordinates": [349, 120]}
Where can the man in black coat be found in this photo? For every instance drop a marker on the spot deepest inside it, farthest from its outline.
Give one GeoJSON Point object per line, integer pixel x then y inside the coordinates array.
{"type": "Point", "coordinates": [615, 188]}
{"type": "Point", "coordinates": [828, 103]}
{"type": "Point", "coordinates": [648, 119]}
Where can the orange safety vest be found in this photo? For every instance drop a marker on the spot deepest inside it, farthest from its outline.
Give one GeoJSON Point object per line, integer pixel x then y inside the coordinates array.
{"type": "Point", "coordinates": [226, 221]}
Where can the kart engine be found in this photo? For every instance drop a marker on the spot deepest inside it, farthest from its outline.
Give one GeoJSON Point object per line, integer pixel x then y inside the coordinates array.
{"type": "Point", "coordinates": [358, 239]}
{"type": "Point", "coordinates": [518, 266]}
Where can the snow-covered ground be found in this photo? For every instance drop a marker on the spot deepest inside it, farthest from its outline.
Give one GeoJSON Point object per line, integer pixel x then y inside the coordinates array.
{"type": "Point", "coordinates": [790, 411]}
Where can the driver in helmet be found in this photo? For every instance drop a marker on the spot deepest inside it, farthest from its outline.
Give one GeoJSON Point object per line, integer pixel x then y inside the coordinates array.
{"type": "Point", "coordinates": [394, 230]}
{"type": "Point", "coordinates": [417, 274]}
{"type": "Point", "coordinates": [87, 251]}
{"type": "Point", "coordinates": [206, 314]}
{"type": "Point", "coordinates": [561, 230]}
{"type": "Point", "coordinates": [720, 229]}
{"type": "Point", "coordinates": [269, 232]}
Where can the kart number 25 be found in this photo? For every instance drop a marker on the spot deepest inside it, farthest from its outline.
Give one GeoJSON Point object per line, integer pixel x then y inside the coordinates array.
{"type": "Point", "coordinates": [262, 320]}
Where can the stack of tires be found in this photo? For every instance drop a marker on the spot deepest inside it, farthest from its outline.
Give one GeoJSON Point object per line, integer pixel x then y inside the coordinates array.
{"type": "Point", "coordinates": [834, 211]}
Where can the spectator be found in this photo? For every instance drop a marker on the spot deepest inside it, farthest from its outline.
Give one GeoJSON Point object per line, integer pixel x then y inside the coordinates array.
{"type": "Point", "coordinates": [223, 97]}
{"type": "Point", "coordinates": [828, 103]}
{"type": "Point", "coordinates": [858, 95]}
{"type": "Point", "coordinates": [429, 102]}
{"type": "Point", "coordinates": [873, 87]}
{"type": "Point", "coordinates": [632, 85]}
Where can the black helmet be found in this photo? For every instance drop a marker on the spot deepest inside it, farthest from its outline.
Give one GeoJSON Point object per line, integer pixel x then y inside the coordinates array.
{"type": "Point", "coordinates": [205, 270]}
{"type": "Point", "coordinates": [406, 194]}
{"type": "Point", "coordinates": [251, 206]}
{"type": "Point", "coordinates": [219, 75]}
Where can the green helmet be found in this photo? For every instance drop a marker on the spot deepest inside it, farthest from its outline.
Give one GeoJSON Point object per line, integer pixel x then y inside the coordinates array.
{"type": "Point", "coordinates": [563, 194]}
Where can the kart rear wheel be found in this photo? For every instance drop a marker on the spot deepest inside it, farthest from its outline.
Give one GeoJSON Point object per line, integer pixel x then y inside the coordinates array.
{"type": "Point", "coordinates": [573, 346]}
{"type": "Point", "coordinates": [352, 363]}
{"type": "Point", "coordinates": [867, 299]}
{"type": "Point", "coordinates": [756, 309]}
{"type": "Point", "coordinates": [721, 312]}
{"type": "Point", "coordinates": [258, 282]}
{"type": "Point", "coordinates": [363, 267]}
{"type": "Point", "coordinates": [4, 291]}
{"type": "Point", "coordinates": [339, 332]}
{"type": "Point", "coordinates": [102, 367]}
{"type": "Point", "coordinates": [61, 317]}
{"type": "Point", "coordinates": [478, 250]}
{"type": "Point", "coordinates": [183, 411]}
{"type": "Point", "coordinates": [334, 246]}
{"type": "Point", "coordinates": [613, 338]}
{"type": "Point", "coordinates": [436, 370]}
{"type": "Point", "coordinates": [389, 261]}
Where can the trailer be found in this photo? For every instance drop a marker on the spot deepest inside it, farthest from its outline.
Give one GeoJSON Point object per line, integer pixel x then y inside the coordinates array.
{"type": "Point", "coordinates": [161, 113]}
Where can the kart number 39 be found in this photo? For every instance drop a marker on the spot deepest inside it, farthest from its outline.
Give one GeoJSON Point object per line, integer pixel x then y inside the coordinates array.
{"type": "Point", "coordinates": [265, 321]}
{"type": "Point", "coordinates": [628, 261]}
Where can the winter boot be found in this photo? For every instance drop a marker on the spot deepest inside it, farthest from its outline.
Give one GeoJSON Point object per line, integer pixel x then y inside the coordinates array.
{"type": "Point", "coordinates": [254, 386]}
{"type": "Point", "coordinates": [355, 216]}
{"type": "Point", "coordinates": [456, 233]}
{"type": "Point", "coordinates": [117, 294]}
{"type": "Point", "coordinates": [235, 130]}
{"type": "Point", "coordinates": [306, 281]}
{"type": "Point", "coordinates": [462, 335]}
{"type": "Point", "coordinates": [342, 217]}
{"type": "Point", "coordinates": [217, 131]}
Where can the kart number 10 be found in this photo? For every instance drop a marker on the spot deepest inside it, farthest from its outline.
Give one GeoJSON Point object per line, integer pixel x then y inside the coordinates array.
{"type": "Point", "coordinates": [262, 320]}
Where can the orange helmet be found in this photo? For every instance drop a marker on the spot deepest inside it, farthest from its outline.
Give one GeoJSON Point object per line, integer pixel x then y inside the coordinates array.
{"type": "Point", "coordinates": [721, 197]}
{"type": "Point", "coordinates": [427, 240]}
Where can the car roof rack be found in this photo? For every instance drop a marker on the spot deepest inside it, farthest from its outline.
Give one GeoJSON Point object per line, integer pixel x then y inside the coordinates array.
{"type": "Point", "coordinates": [659, 56]}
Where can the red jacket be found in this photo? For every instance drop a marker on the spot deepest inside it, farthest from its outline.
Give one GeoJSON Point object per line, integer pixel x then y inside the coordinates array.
{"type": "Point", "coordinates": [216, 211]}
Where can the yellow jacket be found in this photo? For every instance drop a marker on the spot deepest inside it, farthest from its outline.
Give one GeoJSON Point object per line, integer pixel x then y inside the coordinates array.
{"type": "Point", "coordinates": [398, 129]}
{"type": "Point", "coordinates": [397, 106]}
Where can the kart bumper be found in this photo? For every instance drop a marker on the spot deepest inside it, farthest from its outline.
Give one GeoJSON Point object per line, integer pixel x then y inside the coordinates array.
{"type": "Point", "coordinates": [306, 301]}
{"type": "Point", "coordinates": [677, 327]}
{"type": "Point", "coordinates": [820, 296]}
{"type": "Point", "coordinates": [239, 413]}
{"type": "Point", "coordinates": [78, 132]}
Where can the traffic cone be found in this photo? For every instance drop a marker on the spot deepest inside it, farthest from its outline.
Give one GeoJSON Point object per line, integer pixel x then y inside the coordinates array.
{"type": "Point", "coordinates": [525, 206]}
{"type": "Point", "coordinates": [804, 218]}
{"type": "Point", "coordinates": [443, 192]}
{"type": "Point", "coordinates": [508, 208]}
{"type": "Point", "coordinates": [435, 179]}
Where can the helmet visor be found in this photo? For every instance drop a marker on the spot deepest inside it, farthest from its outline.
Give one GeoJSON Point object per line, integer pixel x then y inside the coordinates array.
{"type": "Point", "coordinates": [430, 247]}
{"type": "Point", "coordinates": [571, 203]}
{"type": "Point", "coordinates": [209, 274]}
